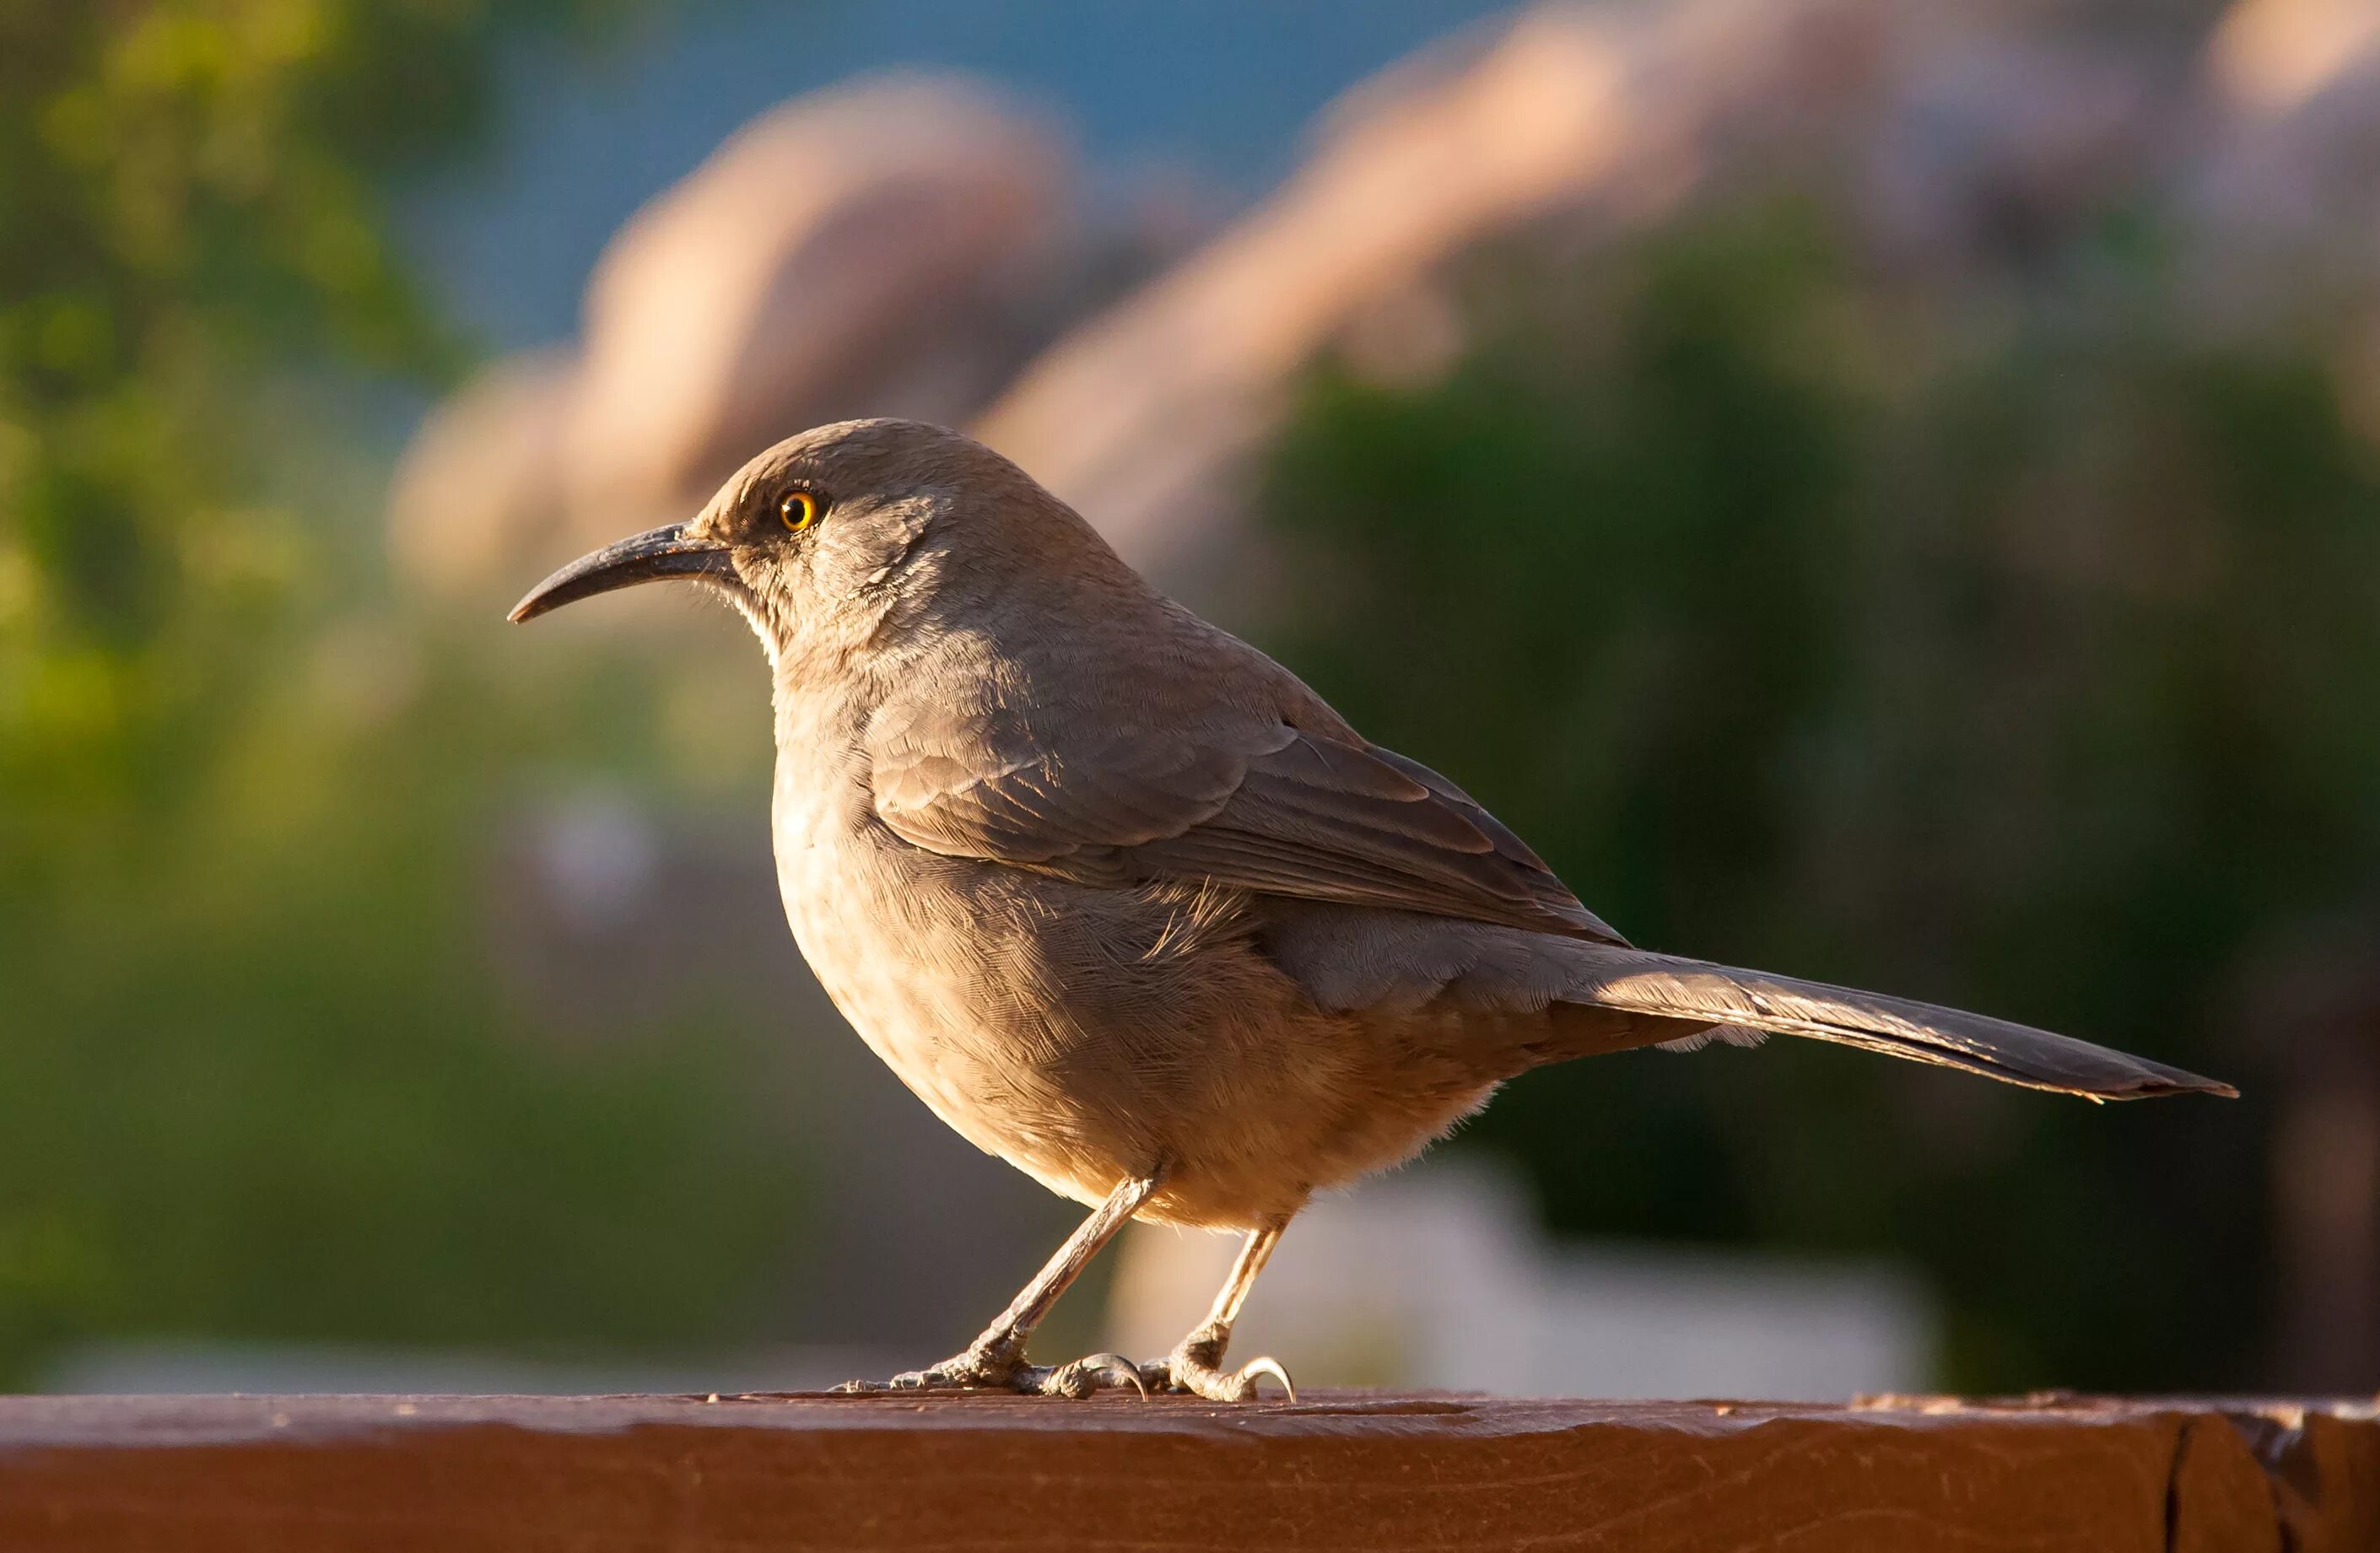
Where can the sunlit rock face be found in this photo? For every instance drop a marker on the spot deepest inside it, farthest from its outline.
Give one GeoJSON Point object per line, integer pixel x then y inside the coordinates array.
{"type": "Point", "coordinates": [916, 245]}
{"type": "Point", "coordinates": [893, 248]}
{"type": "Point", "coordinates": [2294, 106]}
{"type": "Point", "coordinates": [1943, 126]}
{"type": "Point", "coordinates": [1143, 416]}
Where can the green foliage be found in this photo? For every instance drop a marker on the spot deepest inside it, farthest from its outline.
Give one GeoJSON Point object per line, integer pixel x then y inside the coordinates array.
{"type": "Point", "coordinates": [264, 1086]}
{"type": "Point", "coordinates": [2014, 654]}
{"type": "Point", "coordinates": [260, 1079]}
{"type": "Point", "coordinates": [191, 201]}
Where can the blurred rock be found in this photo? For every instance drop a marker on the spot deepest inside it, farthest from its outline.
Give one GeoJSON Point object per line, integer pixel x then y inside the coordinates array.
{"type": "Point", "coordinates": [2271, 56]}
{"type": "Point", "coordinates": [2289, 180]}
{"type": "Point", "coordinates": [480, 486]}
{"type": "Point", "coordinates": [1945, 130]}
{"type": "Point", "coordinates": [848, 250]}
{"type": "Point", "coordinates": [1989, 138]}
{"type": "Point", "coordinates": [1142, 416]}
{"type": "Point", "coordinates": [903, 247]}
{"type": "Point", "coordinates": [893, 248]}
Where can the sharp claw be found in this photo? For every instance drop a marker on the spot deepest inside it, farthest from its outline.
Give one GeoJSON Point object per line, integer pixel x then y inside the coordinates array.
{"type": "Point", "coordinates": [1092, 1373]}
{"type": "Point", "coordinates": [1267, 1365]}
{"type": "Point", "coordinates": [1117, 1369]}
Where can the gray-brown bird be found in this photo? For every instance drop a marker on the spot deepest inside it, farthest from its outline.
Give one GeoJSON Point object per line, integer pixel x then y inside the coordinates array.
{"type": "Point", "coordinates": [1129, 906]}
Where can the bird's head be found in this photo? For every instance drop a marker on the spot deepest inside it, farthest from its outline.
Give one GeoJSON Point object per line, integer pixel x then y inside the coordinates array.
{"type": "Point", "coordinates": [830, 534]}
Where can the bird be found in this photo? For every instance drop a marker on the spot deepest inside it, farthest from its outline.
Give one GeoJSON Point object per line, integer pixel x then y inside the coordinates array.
{"type": "Point", "coordinates": [1129, 906]}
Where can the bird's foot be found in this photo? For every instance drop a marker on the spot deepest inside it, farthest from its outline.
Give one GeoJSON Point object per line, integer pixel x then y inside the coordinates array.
{"type": "Point", "coordinates": [1003, 1368]}
{"type": "Point", "coordinates": [1196, 1367]}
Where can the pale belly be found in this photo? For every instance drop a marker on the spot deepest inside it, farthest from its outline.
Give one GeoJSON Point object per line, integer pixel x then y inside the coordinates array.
{"type": "Point", "coordinates": [1084, 1035]}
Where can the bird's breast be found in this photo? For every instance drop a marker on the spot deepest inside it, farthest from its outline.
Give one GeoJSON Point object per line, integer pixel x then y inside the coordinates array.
{"type": "Point", "coordinates": [1084, 1034]}
{"type": "Point", "coordinates": [928, 959]}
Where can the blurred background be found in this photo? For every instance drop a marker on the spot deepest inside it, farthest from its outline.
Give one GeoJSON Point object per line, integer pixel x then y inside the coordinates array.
{"type": "Point", "coordinates": [1882, 490]}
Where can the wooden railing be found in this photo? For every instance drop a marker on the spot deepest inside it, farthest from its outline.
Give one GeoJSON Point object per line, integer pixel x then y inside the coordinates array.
{"type": "Point", "coordinates": [1369, 1471]}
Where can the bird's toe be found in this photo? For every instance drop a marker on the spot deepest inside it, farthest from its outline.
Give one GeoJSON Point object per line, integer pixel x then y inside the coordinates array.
{"type": "Point", "coordinates": [1193, 1369]}
{"type": "Point", "coordinates": [977, 1369]}
{"type": "Point", "coordinates": [1096, 1372]}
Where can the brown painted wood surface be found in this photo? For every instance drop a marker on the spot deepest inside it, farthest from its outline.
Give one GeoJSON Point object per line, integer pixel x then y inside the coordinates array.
{"type": "Point", "coordinates": [462, 1474]}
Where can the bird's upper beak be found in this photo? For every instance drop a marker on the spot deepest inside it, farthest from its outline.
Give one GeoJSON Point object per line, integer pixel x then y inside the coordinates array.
{"type": "Point", "coordinates": [668, 551]}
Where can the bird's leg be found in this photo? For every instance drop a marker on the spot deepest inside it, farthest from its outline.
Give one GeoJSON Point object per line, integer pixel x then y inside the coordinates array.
{"type": "Point", "coordinates": [996, 1359]}
{"type": "Point", "coordinates": [1195, 1364]}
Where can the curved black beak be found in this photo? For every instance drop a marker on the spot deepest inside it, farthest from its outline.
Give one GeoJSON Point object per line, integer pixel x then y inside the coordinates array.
{"type": "Point", "coordinates": [667, 552]}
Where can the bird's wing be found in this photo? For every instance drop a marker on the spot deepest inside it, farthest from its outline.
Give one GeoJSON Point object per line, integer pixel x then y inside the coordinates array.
{"type": "Point", "coordinates": [1226, 788]}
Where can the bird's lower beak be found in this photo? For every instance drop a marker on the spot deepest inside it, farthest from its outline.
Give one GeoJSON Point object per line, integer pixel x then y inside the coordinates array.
{"type": "Point", "coordinates": [668, 551]}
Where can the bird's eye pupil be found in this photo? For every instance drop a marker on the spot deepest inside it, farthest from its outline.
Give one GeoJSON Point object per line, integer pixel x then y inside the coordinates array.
{"type": "Point", "coordinates": [799, 509]}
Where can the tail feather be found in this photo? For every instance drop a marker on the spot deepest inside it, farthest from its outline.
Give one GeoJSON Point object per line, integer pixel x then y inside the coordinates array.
{"type": "Point", "coordinates": [1718, 1035]}
{"type": "Point", "coordinates": [1664, 986]}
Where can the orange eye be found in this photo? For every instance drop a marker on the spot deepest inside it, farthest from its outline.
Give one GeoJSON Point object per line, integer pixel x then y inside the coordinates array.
{"type": "Point", "coordinates": [799, 509]}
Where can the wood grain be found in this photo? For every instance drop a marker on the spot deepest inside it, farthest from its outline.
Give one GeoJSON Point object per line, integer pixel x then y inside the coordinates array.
{"type": "Point", "coordinates": [1342, 1471]}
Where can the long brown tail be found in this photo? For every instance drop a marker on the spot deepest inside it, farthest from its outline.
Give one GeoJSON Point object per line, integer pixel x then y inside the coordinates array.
{"type": "Point", "coordinates": [1664, 986]}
